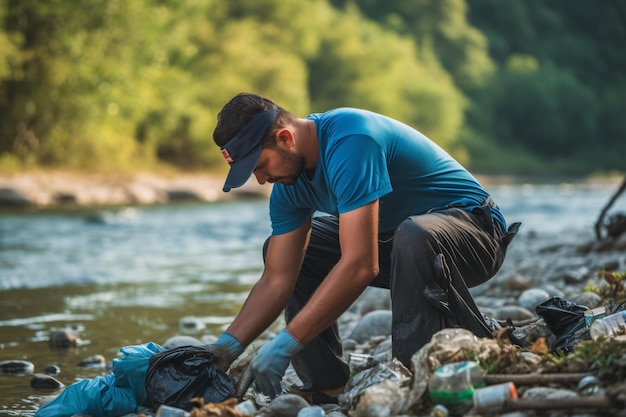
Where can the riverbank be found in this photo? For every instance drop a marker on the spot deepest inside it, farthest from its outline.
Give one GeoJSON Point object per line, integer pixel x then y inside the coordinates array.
{"type": "Point", "coordinates": [41, 189]}
{"type": "Point", "coordinates": [63, 189]}
{"type": "Point", "coordinates": [133, 275]}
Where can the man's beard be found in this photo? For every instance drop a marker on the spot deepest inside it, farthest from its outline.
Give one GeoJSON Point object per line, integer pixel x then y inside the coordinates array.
{"type": "Point", "coordinates": [293, 164]}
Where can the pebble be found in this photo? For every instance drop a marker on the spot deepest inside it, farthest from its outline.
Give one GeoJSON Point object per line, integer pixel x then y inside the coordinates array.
{"type": "Point", "coordinates": [16, 367]}
{"type": "Point", "coordinates": [63, 339]}
{"type": "Point", "coordinates": [531, 298]}
{"type": "Point", "coordinates": [177, 341]}
{"type": "Point", "coordinates": [587, 298]}
{"type": "Point", "coordinates": [52, 370]}
{"type": "Point", "coordinates": [286, 405]}
{"type": "Point", "coordinates": [93, 362]}
{"type": "Point", "coordinates": [548, 393]}
{"type": "Point", "coordinates": [588, 385]}
{"type": "Point", "coordinates": [42, 381]}
{"type": "Point", "coordinates": [515, 313]}
{"type": "Point", "coordinates": [517, 282]}
{"type": "Point", "coordinates": [374, 323]}
{"type": "Point", "coordinates": [312, 411]}
{"type": "Point", "coordinates": [191, 324]}
{"type": "Point", "coordinates": [552, 290]}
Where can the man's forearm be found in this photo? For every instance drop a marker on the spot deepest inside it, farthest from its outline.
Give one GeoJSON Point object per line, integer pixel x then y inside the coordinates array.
{"type": "Point", "coordinates": [333, 297]}
{"type": "Point", "coordinates": [263, 305]}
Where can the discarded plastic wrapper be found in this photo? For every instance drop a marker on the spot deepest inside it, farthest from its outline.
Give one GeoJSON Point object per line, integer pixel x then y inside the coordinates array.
{"type": "Point", "coordinates": [387, 371]}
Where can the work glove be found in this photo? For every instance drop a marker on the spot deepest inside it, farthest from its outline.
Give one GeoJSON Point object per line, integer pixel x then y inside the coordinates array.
{"type": "Point", "coordinates": [225, 350]}
{"type": "Point", "coordinates": [270, 363]}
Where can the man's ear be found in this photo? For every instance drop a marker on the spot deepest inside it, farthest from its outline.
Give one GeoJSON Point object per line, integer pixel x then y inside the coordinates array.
{"type": "Point", "coordinates": [284, 137]}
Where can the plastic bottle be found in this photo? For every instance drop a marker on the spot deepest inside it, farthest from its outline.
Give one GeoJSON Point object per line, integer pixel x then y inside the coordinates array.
{"type": "Point", "coordinates": [609, 326]}
{"type": "Point", "coordinates": [453, 385]}
{"type": "Point", "coordinates": [494, 397]}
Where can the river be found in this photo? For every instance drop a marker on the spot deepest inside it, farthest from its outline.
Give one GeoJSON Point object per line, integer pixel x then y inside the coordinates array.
{"type": "Point", "coordinates": [128, 275]}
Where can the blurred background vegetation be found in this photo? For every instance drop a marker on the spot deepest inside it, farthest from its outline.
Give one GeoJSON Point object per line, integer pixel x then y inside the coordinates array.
{"type": "Point", "coordinates": [513, 87]}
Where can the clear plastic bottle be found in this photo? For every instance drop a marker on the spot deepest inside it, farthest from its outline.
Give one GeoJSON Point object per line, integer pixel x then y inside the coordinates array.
{"type": "Point", "coordinates": [453, 385]}
{"type": "Point", "coordinates": [609, 326]}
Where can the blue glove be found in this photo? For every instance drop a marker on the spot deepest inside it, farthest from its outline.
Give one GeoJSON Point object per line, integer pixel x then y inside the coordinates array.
{"type": "Point", "coordinates": [269, 365]}
{"type": "Point", "coordinates": [225, 350]}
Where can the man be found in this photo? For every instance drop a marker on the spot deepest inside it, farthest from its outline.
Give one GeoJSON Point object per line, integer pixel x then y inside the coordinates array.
{"type": "Point", "coordinates": [400, 213]}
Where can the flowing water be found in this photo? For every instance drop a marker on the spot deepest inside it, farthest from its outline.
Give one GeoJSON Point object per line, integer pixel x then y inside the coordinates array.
{"type": "Point", "coordinates": [128, 276]}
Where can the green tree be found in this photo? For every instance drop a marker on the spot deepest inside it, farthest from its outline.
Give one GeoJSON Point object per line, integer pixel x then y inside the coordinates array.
{"type": "Point", "coordinates": [545, 108]}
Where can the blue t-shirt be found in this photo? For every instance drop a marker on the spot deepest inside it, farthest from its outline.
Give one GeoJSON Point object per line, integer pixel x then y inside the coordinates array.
{"type": "Point", "coordinates": [364, 156]}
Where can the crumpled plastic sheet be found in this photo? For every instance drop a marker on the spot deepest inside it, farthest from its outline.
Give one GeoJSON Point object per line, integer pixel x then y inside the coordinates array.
{"type": "Point", "coordinates": [384, 372]}
{"type": "Point", "coordinates": [116, 394]}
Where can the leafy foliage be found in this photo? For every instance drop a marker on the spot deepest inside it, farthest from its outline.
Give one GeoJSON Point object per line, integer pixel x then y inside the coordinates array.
{"type": "Point", "coordinates": [525, 85]}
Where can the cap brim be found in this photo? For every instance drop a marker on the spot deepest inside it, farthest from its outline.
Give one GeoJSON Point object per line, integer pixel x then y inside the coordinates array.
{"type": "Point", "coordinates": [241, 170]}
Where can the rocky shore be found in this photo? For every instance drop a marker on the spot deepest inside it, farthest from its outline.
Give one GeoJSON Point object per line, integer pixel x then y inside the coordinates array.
{"type": "Point", "coordinates": [45, 190]}
{"type": "Point", "coordinates": [574, 271]}
{"type": "Point", "coordinates": [580, 378]}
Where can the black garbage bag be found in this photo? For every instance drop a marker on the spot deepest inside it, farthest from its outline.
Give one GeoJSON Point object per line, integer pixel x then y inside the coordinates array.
{"type": "Point", "coordinates": [177, 375]}
{"type": "Point", "coordinates": [566, 320]}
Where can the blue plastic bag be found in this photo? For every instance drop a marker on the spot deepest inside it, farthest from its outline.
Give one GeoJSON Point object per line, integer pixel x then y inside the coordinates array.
{"type": "Point", "coordinates": [116, 394]}
{"type": "Point", "coordinates": [131, 367]}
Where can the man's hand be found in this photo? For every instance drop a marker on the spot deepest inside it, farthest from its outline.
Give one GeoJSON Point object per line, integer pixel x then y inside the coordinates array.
{"type": "Point", "coordinates": [225, 350]}
{"type": "Point", "coordinates": [269, 365]}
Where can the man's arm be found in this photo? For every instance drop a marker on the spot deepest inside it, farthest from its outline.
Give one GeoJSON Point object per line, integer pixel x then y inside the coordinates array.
{"type": "Point", "coordinates": [270, 294]}
{"type": "Point", "coordinates": [358, 266]}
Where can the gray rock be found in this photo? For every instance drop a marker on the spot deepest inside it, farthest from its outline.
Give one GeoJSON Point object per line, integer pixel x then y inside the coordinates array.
{"type": "Point", "coordinates": [12, 198]}
{"type": "Point", "coordinates": [42, 381]}
{"type": "Point", "coordinates": [177, 341]}
{"type": "Point", "coordinates": [63, 339]}
{"type": "Point", "coordinates": [577, 276]}
{"type": "Point", "coordinates": [589, 299]}
{"type": "Point", "coordinates": [515, 313]}
{"type": "Point", "coordinates": [191, 324]}
{"type": "Point", "coordinates": [52, 370]}
{"type": "Point", "coordinates": [373, 299]}
{"type": "Point", "coordinates": [552, 290]}
{"type": "Point", "coordinates": [517, 282]}
{"type": "Point", "coordinates": [312, 411]}
{"type": "Point", "coordinates": [16, 367]}
{"type": "Point", "coordinates": [531, 298]}
{"type": "Point", "coordinates": [548, 393]}
{"type": "Point", "coordinates": [93, 362]}
{"type": "Point", "coordinates": [335, 413]}
{"type": "Point", "coordinates": [375, 323]}
{"type": "Point", "coordinates": [286, 405]}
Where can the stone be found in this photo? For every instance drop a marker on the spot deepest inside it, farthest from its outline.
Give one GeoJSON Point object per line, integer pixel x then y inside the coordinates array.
{"type": "Point", "coordinates": [16, 367]}
{"type": "Point", "coordinates": [375, 323]}
{"type": "Point", "coordinates": [515, 313]}
{"type": "Point", "coordinates": [94, 361]}
{"type": "Point", "coordinates": [42, 381]}
{"type": "Point", "coordinates": [531, 298]}
{"type": "Point", "coordinates": [286, 405]}
{"type": "Point", "coordinates": [63, 339]}
{"type": "Point", "coordinates": [312, 411]}
{"type": "Point", "coordinates": [177, 341]}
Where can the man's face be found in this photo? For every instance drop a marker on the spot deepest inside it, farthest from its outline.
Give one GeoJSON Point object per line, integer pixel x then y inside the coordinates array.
{"type": "Point", "coordinates": [279, 166]}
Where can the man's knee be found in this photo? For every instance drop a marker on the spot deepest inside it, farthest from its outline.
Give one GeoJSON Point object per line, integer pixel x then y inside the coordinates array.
{"type": "Point", "coordinates": [410, 234]}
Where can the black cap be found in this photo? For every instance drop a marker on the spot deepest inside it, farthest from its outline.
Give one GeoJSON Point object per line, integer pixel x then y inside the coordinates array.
{"type": "Point", "coordinates": [243, 150]}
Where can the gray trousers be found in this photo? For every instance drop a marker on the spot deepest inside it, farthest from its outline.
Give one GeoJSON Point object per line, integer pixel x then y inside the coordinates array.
{"type": "Point", "coordinates": [428, 263]}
